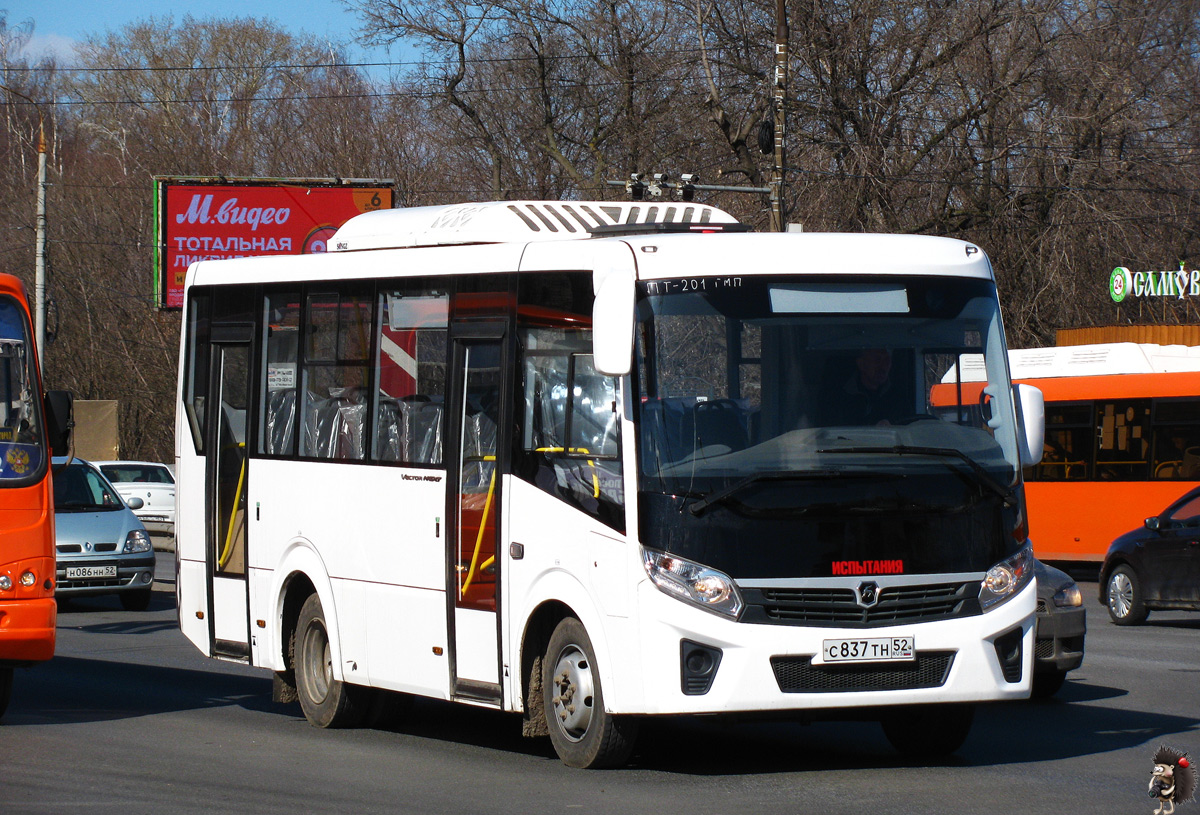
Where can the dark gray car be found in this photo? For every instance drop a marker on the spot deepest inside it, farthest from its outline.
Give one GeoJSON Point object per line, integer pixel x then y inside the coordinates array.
{"type": "Point", "coordinates": [1061, 625]}
{"type": "Point", "coordinates": [1156, 566]}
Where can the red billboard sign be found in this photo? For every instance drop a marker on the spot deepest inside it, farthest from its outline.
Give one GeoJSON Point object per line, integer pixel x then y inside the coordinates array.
{"type": "Point", "coordinates": [202, 220]}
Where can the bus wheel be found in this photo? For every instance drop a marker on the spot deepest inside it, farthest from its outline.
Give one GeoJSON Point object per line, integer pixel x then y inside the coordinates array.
{"type": "Point", "coordinates": [583, 734]}
{"type": "Point", "coordinates": [1125, 605]}
{"type": "Point", "coordinates": [6, 683]}
{"type": "Point", "coordinates": [929, 731]}
{"type": "Point", "coordinates": [326, 701]}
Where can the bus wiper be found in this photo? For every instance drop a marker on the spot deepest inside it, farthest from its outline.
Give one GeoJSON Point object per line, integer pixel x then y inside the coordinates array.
{"type": "Point", "coordinates": [699, 507]}
{"type": "Point", "coordinates": [984, 477]}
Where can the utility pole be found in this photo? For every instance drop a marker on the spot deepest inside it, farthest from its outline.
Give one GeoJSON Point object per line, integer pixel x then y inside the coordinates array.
{"type": "Point", "coordinates": [778, 107]}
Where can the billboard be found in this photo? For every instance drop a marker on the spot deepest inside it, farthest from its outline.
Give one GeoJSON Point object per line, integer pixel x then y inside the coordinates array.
{"type": "Point", "coordinates": [215, 218]}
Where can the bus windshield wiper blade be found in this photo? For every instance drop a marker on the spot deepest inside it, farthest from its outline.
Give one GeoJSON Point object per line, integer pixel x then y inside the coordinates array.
{"type": "Point", "coordinates": [699, 507]}
{"type": "Point", "coordinates": [984, 477]}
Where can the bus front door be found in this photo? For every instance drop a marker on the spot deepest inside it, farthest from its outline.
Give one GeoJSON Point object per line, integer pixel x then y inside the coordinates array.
{"type": "Point", "coordinates": [475, 512]}
{"type": "Point", "coordinates": [229, 625]}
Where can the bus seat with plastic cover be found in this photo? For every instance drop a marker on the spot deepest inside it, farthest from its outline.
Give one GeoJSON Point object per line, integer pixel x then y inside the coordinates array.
{"type": "Point", "coordinates": [281, 421]}
{"type": "Point", "coordinates": [335, 425]}
{"type": "Point", "coordinates": [409, 430]}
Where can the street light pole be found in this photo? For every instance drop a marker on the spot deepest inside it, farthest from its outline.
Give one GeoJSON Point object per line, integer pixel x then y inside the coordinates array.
{"type": "Point", "coordinates": [779, 102]}
{"type": "Point", "coordinates": [39, 263]}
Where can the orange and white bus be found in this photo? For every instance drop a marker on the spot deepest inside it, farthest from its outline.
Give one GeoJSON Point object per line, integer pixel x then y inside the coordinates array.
{"type": "Point", "coordinates": [30, 423]}
{"type": "Point", "coordinates": [1122, 440]}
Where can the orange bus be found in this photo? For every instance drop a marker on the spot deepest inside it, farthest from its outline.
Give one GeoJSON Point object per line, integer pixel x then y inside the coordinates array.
{"type": "Point", "coordinates": [1122, 440]}
{"type": "Point", "coordinates": [33, 424]}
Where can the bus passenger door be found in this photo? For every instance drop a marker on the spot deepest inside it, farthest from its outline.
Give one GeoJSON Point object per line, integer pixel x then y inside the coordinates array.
{"type": "Point", "coordinates": [474, 511]}
{"type": "Point", "coordinates": [228, 407]}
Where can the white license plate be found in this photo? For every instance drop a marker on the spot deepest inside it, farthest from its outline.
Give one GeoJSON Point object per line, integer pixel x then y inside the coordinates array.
{"type": "Point", "coordinates": [878, 649]}
{"type": "Point", "coordinates": [153, 517]}
{"type": "Point", "coordinates": [86, 572]}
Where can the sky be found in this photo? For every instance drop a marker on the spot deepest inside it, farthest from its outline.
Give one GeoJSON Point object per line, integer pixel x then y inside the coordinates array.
{"type": "Point", "coordinates": [58, 24]}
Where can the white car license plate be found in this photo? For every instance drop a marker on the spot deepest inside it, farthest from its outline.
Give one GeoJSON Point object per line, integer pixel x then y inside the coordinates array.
{"type": "Point", "coordinates": [878, 649]}
{"type": "Point", "coordinates": [86, 572]}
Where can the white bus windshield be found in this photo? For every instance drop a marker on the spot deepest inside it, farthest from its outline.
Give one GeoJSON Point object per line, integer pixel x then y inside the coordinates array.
{"type": "Point", "coordinates": [792, 402]}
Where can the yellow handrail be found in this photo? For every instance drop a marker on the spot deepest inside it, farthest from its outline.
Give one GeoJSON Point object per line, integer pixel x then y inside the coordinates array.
{"type": "Point", "coordinates": [227, 550]}
{"type": "Point", "coordinates": [487, 505]}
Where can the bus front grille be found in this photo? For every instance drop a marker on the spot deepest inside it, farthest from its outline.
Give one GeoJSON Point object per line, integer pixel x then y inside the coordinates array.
{"type": "Point", "coordinates": [840, 607]}
{"type": "Point", "coordinates": [798, 674]}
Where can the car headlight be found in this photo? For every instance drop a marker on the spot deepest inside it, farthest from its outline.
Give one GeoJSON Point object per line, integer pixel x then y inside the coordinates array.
{"type": "Point", "coordinates": [693, 583]}
{"type": "Point", "coordinates": [1068, 597]}
{"type": "Point", "coordinates": [1006, 579]}
{"type": "Point", "coordinates": [137, 541]}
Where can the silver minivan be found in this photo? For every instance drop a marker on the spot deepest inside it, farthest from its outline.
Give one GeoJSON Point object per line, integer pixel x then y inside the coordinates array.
{"type": "Point", "coordinates": [102, 547]}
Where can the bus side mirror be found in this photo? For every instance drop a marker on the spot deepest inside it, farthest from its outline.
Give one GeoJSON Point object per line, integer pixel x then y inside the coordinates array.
{"type": "Point", "coordinates": [60, 419]}
{"type": "Point", "coordinates": [612, 322]}
{"type": "Point", "coordinates": [1031, 423]}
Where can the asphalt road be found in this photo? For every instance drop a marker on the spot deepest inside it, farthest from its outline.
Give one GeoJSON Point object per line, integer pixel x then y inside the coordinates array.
{"type": "Point", "coordinates": [129, 718]}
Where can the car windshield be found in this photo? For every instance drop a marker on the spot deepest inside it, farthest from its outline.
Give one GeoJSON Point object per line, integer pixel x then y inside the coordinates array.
{"type": "Point", "coordinates": [777, 411]}
{"type": "Point", "coordinates": [79, 488]}
{"type": "Point", "coordinates": [137, 473]}
{"type": "Point", "coordinates": [21, 448]}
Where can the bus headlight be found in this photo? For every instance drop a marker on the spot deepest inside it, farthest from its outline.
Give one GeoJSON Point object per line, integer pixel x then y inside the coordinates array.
{"type": "Point", "coordinates": [137, 541]}
{"type": "Point", "coordinates": [5, 582]}
{"type": "Point", "coordinates": [1006, 579]}
{"type": "Point", "coordinates": [693, 583]}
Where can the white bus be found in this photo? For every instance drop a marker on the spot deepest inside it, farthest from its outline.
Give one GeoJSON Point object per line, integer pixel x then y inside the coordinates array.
{"type": "Point", "coordinates": [593, 462]}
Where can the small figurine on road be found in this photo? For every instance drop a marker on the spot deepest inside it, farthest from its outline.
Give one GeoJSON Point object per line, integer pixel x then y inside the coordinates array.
{"type": "Point", "coordinates": [1173, 779]}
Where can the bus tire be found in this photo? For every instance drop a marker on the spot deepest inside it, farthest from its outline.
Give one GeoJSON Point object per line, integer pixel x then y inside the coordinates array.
{"type": "Point", "coordinates": [138, 600]}
{"type": "Point", "coordinates": [1123, 596]}
{"type": "Point", "coordinates": [929, 731]}
{"type": "Point", "coordinates": [6, 683]}
{"type": "Point", "coordinates": [326, 702]}
{"type": "Point", "coordinates": [583, 733]}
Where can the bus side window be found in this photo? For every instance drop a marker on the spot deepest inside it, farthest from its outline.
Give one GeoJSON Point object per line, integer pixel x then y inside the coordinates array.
{"type": "Point", "coordinates": [410, 373]}
{"type": "Point", "coordinates": [1176, 439]}
{"type": "Point", "coordinates": [338, 329]}
{"type": "Point", "coordinates": [1123, 429]}
{"type": "Point", "coordinates": [571, 442]}
{"type": "Point", "coordinates": [569, 434]}
{"type": "Point", "coordinates": [1067, 453]}
{"type": "Point", "coordinates": [281, 327]}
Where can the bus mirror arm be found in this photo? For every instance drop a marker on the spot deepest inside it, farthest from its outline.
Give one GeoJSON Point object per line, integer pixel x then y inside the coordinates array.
{"type": "Point", "coordinates": [1031, 422]}
{"type": "Point", "coordinates": [60, 420]}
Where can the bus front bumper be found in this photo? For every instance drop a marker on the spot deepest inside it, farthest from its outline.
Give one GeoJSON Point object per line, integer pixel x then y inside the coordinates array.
{"type": "Point", "coordinates": [758, 668]}
{"type": "Point", "coordinates": [27, 631]}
